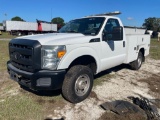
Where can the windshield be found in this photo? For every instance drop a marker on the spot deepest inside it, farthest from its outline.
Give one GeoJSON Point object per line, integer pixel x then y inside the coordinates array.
{"type": "Point", "coordinates": [86, 26]}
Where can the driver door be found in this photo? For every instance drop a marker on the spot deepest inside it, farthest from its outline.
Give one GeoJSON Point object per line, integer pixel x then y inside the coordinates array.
{"type": "Point", "coordinates": [113, 45]}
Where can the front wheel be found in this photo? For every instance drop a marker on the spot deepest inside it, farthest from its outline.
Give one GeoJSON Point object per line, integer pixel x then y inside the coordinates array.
{"type": "Point", "coordinates": [77, 84]}
{"type": "Point", "coordinates": [135, 65]}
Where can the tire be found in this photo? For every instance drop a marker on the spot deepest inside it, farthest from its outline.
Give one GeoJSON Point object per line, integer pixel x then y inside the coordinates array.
{"type": "Point", "coordinates": [136, 65]}
{"type": "Point", "coordinates": [77, 84]}
{"type": "Point", "coordinates": [19, 33]}
{"type": "Point", "coordinates": [30, 33]}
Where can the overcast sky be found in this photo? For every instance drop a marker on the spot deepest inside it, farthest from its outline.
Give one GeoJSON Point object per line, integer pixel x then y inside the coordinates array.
{"type": "Point", "coordinates": [133, 11]}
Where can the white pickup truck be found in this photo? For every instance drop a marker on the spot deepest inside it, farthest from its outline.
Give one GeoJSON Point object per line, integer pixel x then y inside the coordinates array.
{"type": "Point", "coordinates": [69, 59]}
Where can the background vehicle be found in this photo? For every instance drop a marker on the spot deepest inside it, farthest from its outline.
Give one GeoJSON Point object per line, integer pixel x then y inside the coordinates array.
{"type": "Point", "coordinates": [70, 59]}
{"type": "Point", "coordinates": [27, 28]}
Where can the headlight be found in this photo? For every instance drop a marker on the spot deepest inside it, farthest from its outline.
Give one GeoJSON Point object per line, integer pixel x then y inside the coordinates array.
{"type": "Point", "coordinates": [51, 56]}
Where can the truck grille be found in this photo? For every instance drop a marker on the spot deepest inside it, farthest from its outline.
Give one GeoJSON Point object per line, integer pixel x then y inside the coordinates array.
{"type": "Point", "coordinates": [23, 54]}
{"type": "Point", "coordinates": [21, 57]}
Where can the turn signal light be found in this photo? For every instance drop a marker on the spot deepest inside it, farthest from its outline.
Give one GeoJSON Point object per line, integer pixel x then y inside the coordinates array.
{"type": "Point", "coordinates": [60, 54]}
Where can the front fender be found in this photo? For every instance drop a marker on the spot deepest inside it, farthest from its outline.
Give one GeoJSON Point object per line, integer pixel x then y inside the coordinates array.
{"type": "Point", "coordinates": [78, 52]}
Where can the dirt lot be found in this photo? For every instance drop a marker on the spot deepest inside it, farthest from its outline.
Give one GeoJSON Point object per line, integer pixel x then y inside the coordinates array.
{"type": "Point", "coordinates": [145, 82]}
{"type": "Point", "coordinates": [114, 84]}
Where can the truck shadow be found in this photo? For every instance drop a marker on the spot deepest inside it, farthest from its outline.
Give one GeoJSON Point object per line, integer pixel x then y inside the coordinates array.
{"type": "Point", "coordinates": [49, 93]}
{"type": "Point", "coordinates": [114, 69]}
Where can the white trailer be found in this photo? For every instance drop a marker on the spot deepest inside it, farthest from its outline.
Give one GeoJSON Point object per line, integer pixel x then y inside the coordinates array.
{"type": "Point", "coordinates": [49, 27]}
{"type": "Point", "coordinates": [20, 25]}
{"type": "Point", "coordinates": [25, 28]}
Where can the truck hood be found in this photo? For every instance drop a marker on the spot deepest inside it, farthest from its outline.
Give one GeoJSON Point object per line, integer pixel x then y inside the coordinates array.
{"type": "Point", "coordinates": [59, 38]}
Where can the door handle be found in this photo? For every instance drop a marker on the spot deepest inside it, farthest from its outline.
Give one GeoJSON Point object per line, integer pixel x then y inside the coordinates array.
{"type": "Point", "coordinates": [124, 44]}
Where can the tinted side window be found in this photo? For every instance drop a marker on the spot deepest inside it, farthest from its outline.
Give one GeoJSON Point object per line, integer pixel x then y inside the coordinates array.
{"type": "Point", "coordinates": [110, 24]}
{"type": "Point", "coordinates": [112, 30]}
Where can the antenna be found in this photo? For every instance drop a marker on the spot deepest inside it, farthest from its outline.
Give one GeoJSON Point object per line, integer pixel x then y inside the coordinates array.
{"type": "Point", "coordinates": [51, 19]}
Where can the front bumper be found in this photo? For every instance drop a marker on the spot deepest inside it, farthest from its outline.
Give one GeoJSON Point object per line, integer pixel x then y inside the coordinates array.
{"type": "Point", "coordinates": [41, 80]}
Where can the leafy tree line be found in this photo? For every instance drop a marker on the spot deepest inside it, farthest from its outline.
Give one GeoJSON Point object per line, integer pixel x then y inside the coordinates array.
{"type": "Point", "coordinates": [152, 23]}
{"type": "Point", "coordinates": [17, 18]}
{"type": "Point", "coordinates": [59, 21]}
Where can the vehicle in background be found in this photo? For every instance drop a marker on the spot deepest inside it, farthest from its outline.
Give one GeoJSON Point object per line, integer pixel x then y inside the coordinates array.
{"type": "Point", "coordinates": [28, 28]}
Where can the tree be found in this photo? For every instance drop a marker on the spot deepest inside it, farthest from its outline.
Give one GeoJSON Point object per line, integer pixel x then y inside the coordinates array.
{"type": "Point", "coordinates": [59, 21]}
{"type": "Point", "coordinates": [17, 18]}
{"type": "Point", "coordinates": [152, 23]}
{"type": "Point", "coordinates": [1, 24]}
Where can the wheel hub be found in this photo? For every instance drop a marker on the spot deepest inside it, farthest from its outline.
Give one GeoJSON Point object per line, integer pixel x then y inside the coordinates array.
{"type": "Point", "coordinates": [82, 85]}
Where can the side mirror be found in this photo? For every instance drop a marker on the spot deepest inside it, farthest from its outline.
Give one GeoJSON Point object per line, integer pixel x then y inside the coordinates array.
{"type": "Point", "coordinates": [116, 34]}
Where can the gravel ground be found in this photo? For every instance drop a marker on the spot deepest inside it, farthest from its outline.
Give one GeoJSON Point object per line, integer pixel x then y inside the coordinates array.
{"type": "Point", "coordinates": [124, 83]}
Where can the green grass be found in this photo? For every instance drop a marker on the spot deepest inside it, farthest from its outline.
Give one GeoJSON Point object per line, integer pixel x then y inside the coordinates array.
{"type": "Point", "coordinates": [25, 105]}
{"type": "Point", "coordinates": [155, 49]}
{"type": "Point", "coordinates": [28, 106]}
{"type": "Point", "coordinates": [4, 57]}
{"type": "Point", "coordinates": [19, 104]}
{"type": "Point", "coordinates": [6, 35]}
{"type": "Point", "coordinates": [20, 107]}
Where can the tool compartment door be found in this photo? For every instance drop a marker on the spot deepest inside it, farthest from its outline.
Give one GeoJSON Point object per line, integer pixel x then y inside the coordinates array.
{"type": "Point", "coordinates": [132, 52]}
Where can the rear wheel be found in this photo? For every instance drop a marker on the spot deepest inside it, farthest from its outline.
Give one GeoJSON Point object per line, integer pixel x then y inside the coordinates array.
{"type": "Point", "coordinates": [135, 65]}
{"type": "Point", "coordinates": [77, 84]}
